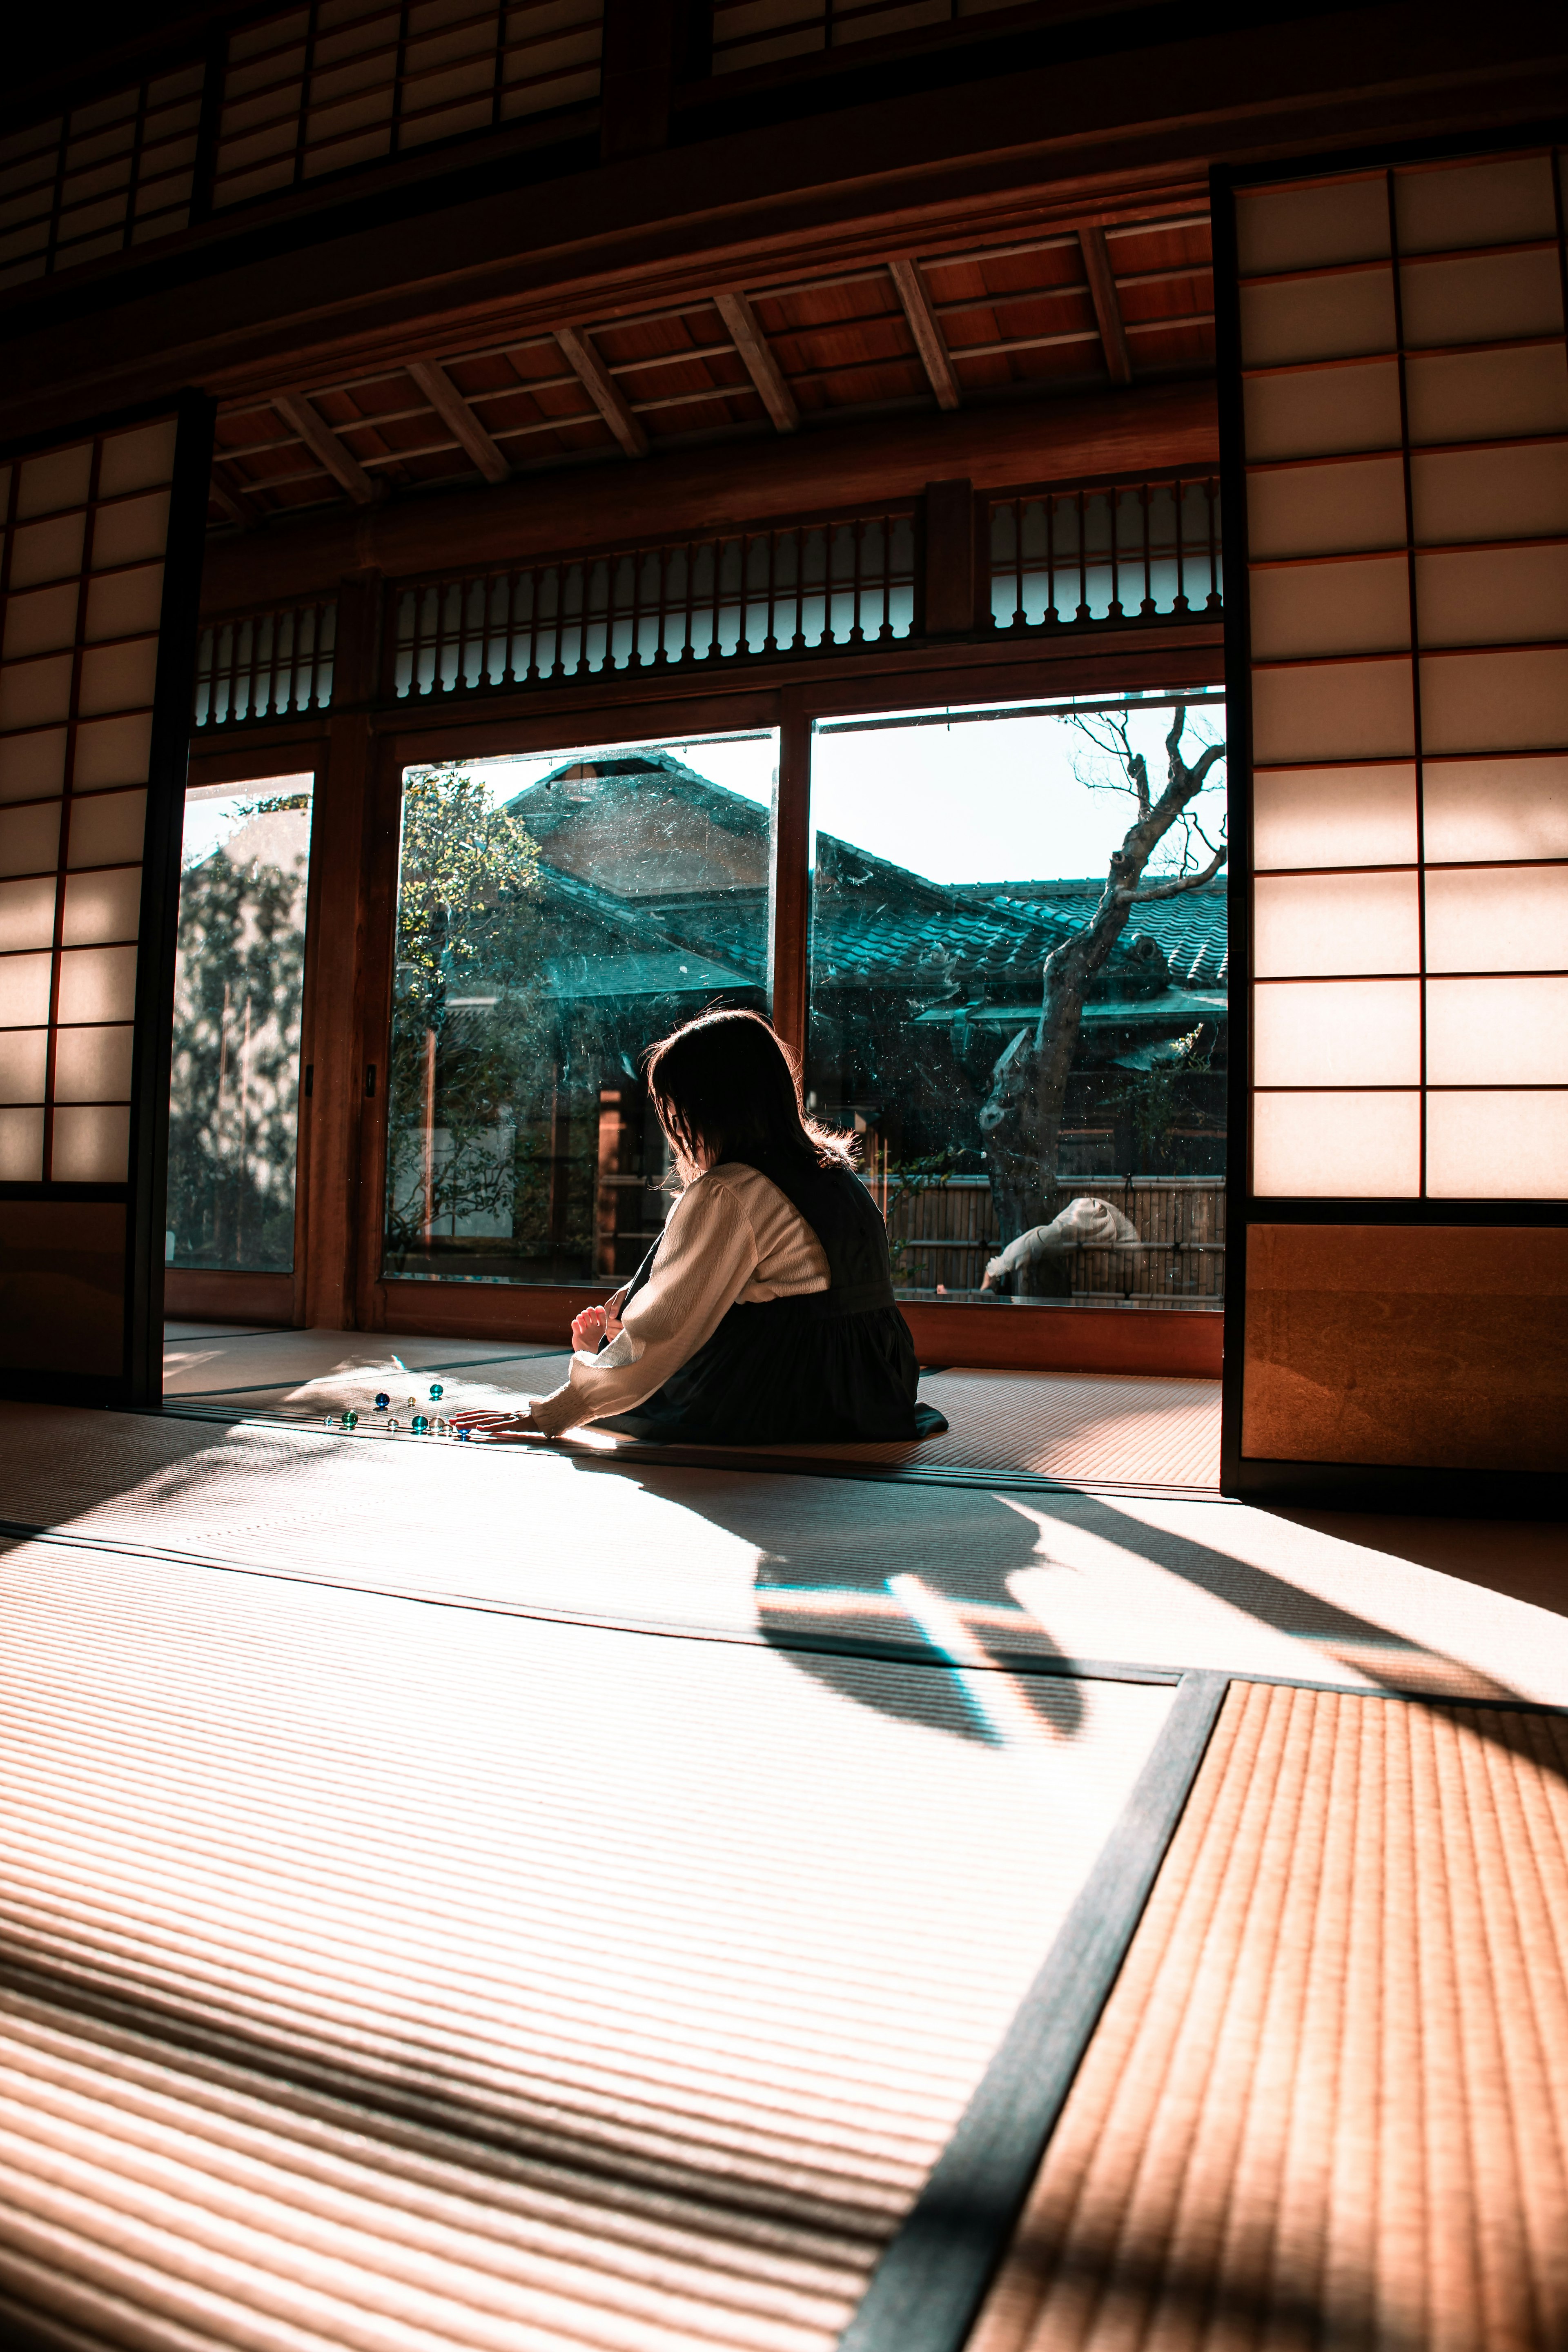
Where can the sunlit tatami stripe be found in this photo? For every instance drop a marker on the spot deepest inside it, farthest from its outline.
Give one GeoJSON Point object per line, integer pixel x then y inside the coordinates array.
{"type": "Point", "coordinates": [1328, 2101]}
{"type": "Point", "coordinates": [399, 1978]}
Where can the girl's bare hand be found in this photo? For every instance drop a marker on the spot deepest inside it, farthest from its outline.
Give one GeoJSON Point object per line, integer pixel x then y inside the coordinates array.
{"type": "Point", "coordinates": [594, 1324]}
{"type": "Point", "coordinates": [492, 1428]}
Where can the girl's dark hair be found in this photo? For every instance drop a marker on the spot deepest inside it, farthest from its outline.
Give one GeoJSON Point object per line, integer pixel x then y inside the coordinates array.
{"type": "Point", "coordinates": [724, 1088]}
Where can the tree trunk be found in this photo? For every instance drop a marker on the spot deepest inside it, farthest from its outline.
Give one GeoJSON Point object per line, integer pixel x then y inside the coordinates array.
{"type": "Point", "coordinates": [1022, 1116]}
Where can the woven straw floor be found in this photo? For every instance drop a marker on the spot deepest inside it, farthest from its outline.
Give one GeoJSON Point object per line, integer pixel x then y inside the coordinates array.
{"type": "Point", "coordinates": [1326, 2104]}
{"type": "Point", "coordinates": [381, 1976]}
{"type": "Point", "coordinates": [1087, 1427]}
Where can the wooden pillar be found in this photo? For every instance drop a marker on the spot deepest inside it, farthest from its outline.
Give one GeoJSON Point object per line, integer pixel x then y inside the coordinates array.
{"type": "Point", "coordinates": [344, 792]}
{"type": "Point", "coordinates": [948, 603]}
{"type": "Point", "coordinates": [637, 74]}
{"type": "Point", "coordinates": [789, 941]}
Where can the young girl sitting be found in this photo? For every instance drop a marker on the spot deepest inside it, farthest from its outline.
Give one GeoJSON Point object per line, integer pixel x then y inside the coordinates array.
{"type": "Point", "coordinates": [765, 1314]}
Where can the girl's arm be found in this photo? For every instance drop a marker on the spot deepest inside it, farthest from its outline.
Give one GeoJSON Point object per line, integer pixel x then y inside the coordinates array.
{"type": "Point", "coordinates": [705, 1260]}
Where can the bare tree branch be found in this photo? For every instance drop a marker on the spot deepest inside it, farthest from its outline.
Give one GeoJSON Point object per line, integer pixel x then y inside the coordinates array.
{"type": "Point", "coordinates": [1180, 884]}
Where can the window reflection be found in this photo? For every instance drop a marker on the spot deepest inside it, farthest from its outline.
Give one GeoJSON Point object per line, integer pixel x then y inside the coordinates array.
{"type": "Point", "coordinates": [234, 1097]}
{"type": "Point", "coordinates": [556, 915]}
{"type": "Point", "coordinates": [954, 854]}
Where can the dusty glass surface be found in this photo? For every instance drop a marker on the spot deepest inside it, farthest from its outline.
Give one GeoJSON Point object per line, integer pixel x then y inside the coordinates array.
{"type": "Point", "coordinates": [234, 1096]}
{"type": "Point", "coordinates": [955, 855]}
{"type": "Point", "coordinates": [556, 915]}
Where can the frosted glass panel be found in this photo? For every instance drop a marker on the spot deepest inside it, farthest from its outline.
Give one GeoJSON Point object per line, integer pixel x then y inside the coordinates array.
{"type": "Point", "coordinates": [35, 692]}
{"type": "Point", "coordinates": [1336, 1033]}
{"type": "Point", "coordinates": [1500, 202]}
{"type": "Point", "coordinates": [27, 913]}
{"type": "Point", "coordinates": [1482, 300]}
{"type": "Point", "coordinates": [1313, 1146]}
{"type": "Point", "coordinates": [107, 829]}
{"type": "Point", "coordinates": [123, 603]}
{"type": "Point", "coordinates": [21, 1146]}
{"type": "Point", "coordinates": [30, 839]}
{"type": "Point", "coordinates": [1492, 596]}
{"type": "Point", "coordinates": [1496, 919]}
{"type": "Point", "coordinates": [1334, 816]}
{"type": "Point", "coordinates": [46, 550]}
{"type": "Point", "coordinates": [93, 1064]}
{"type": "Point", "coordinates": [106, 906]}
{"type": "Point", "coordinates": [32, 766]}
{"type": "Point", "coordinates": [1488, 494]}
{"type": "Point", "coordinates": [1507, 1033]}
{"type": "Point", "coordinates": [1335, 510]}
{"type": "Point", "coordinates": [98, 984]}
{"type": "Point", "coordinates": [1319, 412]}
{"type": "Point", "coordinates": [1494, 702]}
{"type": "Point", "coordinates": [1476, 809]}
{"type": "Point", "coordinates": [1300, 228]}
{"type": "Point", "coordinates": [1496, 1146]}
{"type": "Point", "coordinates": [24, 1058]}
{"type": "Point", "coordinates": [117, 677]}
{"type": "Point", "coordinates": [59, 478]}
{"type": "Point", "coordinates": [1332, 710]}
{"type": "Point", "coordinates": [1330, 608]}
{"type": "Point", "coordinates": [1322, 924]}
{"type": "Point", "coordinates": [41, 621]}
{"type": "Point", "coordinates": [91, 1144]}
{"type": "Point", "coordinates": [138, 461]}
{"type": "Point", "coordinates": [1486, 395]}
{"type": "Point", "coordinates": [113, 752]}
{"type": "Point", "coordinates": [1334, 318]}
{"type": "Point", "coordinates": [24, 989]}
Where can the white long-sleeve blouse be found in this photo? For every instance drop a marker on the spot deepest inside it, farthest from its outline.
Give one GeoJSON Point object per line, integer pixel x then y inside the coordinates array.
{"type": "Point", "coordinates": [732, 1239]}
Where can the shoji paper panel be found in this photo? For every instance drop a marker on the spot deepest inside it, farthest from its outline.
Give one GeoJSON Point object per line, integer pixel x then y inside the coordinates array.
{"type": "Point", "coordinates": [86, 680]}
{"type": "Point", "coordinates": [1404, 427]}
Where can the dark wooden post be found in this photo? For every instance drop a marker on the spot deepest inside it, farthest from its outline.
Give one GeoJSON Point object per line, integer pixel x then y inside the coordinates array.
{"type": "Point", "coordinates": [637, 73]}
{"type": "Point", "coordinates": [790, 908]}
{"type": "Point", "coordinates": [339, 954]}
{"type": "Point", "coordinates": [949, 567]}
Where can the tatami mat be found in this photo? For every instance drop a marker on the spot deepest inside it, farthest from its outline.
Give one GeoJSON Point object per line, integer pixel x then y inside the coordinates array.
{"type": "Point", "coordinates": [1086, 1427]}
{"type": "Point", "coordinates": [378, 1976]}
{"type": "Point", "coordinates": [1326, 2104]}
{"type": "Point", "coordinates": [1152, 1580]}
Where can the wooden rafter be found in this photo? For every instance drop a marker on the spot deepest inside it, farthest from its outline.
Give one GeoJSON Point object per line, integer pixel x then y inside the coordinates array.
{"type": "Point", "coordinates": [458, 418]}
{"type": "Point", "coordinates": [928, 335]}
{"type": "Point", "coordinates": [1102, 280]}
{"type": "Point", "coordinates": [605, 396]}
{"type": "Point", "coordinates": [223, 496]}
{"type": "Point", "coordinates": [757, 359]}
{"type": "Point", "coordinates": [325, 447]}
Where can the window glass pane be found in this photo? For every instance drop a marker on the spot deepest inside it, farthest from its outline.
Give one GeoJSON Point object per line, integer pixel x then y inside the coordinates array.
{"type": "Point", "coordinates": [558, 913]}
{"type": "Point", "coordinates": [1337, 1032]}
{"type": "Point", "coordinates": [1493, 1146]}
{"type": "Point", "coordinates": [1334, 816]}
{"type": "Point", "coordinates": [952, 854]}
{"type": "Point", "coordinates": [234, 1099]}
{"type": "Point", "coordinates": [1497, 1033]}
{"type": "Point", "coordinates": [1320, 1146]}
{"type": "Point", "coordinates": [1476, 809]}
{"type": "Point", "coordinates": [1496, 919]}
{"type": "Point", "coordinates": [1308, 924]}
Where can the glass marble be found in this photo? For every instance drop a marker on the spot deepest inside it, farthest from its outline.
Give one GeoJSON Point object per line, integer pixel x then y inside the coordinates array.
{"type": "Point", "coordinates": [436, 1390]}
{"type": "Point", "coordinates": [395, 1424]}
{"type": "Point", "coordinates": [351, 1420]}
{"type": "Point", "coordinates": [331, 1421]}
{"type": "Point", "coordinates": [464, 1435]}
{"type": "Point", "coordinates": [383, 1401]}
{"type": "Point", "coordinates": [419, 1424]}
{"type": "Point", "coordinates": [412, 1404]}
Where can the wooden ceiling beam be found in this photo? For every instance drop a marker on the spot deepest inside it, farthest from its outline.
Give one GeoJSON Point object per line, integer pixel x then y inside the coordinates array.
{"type": "Point", "coordinates": [1102, 280]}
{"type": "Point", "coordinates": [928, 335]}
{"type": "Point", "coordinates": [757, 359]}
{"type": "Point", "coordinates": [325, 446]}
{"type": "Point", "coordinates": [602, 390]}
{"type": "Point", "coordinates": [458, 418]}
{"type": "Point", "coordinates": [225, 498]}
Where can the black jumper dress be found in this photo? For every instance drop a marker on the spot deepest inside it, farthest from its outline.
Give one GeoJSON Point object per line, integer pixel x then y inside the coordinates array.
{"type": "Point", "coordinates": [831, 1365]}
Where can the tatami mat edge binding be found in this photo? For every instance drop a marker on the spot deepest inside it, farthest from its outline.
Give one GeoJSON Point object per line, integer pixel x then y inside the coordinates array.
{"type": "Point", "coordinates": [628, 1454]}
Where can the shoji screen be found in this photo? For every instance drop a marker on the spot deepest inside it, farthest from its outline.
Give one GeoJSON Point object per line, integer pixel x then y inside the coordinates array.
{"type": "Point", "coordinates": [98, 580]}
{"type": "Point", "coordinates": [1397, 386]}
